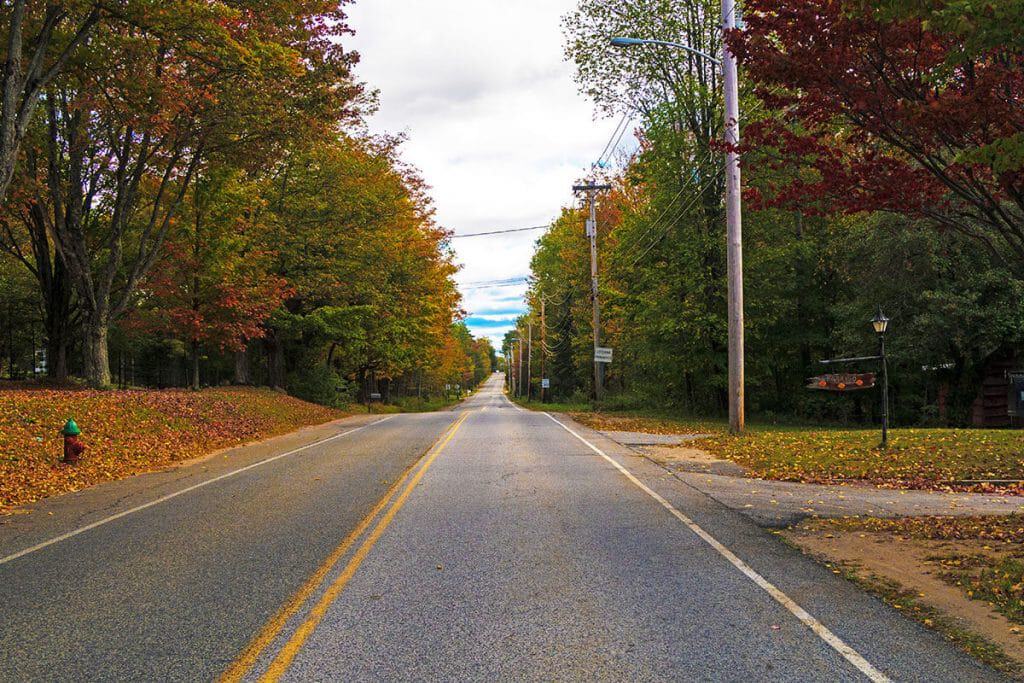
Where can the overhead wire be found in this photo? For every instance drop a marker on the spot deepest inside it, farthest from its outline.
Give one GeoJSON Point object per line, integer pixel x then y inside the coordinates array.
{"type": "Point", "coordinates": [622, 124]}
{"type": "Point", "coordinates": [499, 232]}
{"type": "Point", "coordinates": [689, 185]}
{"type": "Point", "coordinates": [678, 215]}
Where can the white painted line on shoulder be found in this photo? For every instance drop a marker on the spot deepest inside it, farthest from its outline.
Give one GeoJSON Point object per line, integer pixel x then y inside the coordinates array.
{"type": "Point", "coordinates": [169, 496]}
{"type": "Point", "coordinates": [822, 631]}
{"type": "Point", "coordinates": [517, 406]}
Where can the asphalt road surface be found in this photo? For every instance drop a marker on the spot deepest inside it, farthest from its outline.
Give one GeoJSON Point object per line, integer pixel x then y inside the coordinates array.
{"type": "Point", "coordinates": [483, 543]}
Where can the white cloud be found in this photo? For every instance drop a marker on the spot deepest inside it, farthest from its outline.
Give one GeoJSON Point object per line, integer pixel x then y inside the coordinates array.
{"type": "Point", "coordinates": [494, 121]}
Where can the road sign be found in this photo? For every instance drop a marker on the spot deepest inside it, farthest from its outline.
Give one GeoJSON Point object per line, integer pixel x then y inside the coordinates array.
{"type": "Point", "coordinates": [545, 384]}
{"type": "Point", "coordinates": [843, 381]}
{"type": "Point", "coordinates": [603, 354]}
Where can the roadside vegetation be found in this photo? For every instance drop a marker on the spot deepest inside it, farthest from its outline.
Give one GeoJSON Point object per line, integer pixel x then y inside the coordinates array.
{"type": "Point", "coordinates": [128, 432]}
{"type": "Point", "coordinates": [963, 576]}
{"type": "Point", "coordinates": [992, 571]}
{"type": "Point", "coordinates": [861, 190]}
{"type": "Point", "coordinates": [922, 458]}
{"type": "Point", "coordinates": [194, 199]}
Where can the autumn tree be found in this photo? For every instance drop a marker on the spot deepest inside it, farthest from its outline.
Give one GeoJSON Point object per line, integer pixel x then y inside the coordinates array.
{"type": "Point", "coordinates": [40, 39]}
{"type": "Point", "coordinates": [153, 99]}
{"type": "Point", "coordinates": [900, 106]}
{"type": "Point", "coordinates": [212, 287]}
{"type": "Point", "coordinates": [353, 234]}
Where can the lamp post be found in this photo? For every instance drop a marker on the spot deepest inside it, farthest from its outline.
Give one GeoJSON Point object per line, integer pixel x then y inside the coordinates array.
{"type": "Point", "coordinates": [733, 208]}
{"type": "Point", "coordinates": [880, 323]}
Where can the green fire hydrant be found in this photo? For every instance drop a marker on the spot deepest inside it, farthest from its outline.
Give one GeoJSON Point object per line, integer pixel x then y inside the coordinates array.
{"type": "Point", "coordinates": [73, 447]}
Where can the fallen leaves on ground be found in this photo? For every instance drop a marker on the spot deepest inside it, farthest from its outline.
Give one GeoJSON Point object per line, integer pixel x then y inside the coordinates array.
{"type": "Point", "coordinates": [127, 432]}
{"type": "Point", "coordinates": [990, 569]}
{"type": "Point", "coordinates": [936, 459]}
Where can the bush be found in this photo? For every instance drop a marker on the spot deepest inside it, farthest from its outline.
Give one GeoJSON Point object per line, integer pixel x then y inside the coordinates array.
{"type": "Point", "coordinates": [321, 384]}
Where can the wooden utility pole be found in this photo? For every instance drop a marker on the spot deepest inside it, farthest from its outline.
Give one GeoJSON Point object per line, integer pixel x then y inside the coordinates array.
{"type": "Point", "coordinates": [591, 190]}
{"type": "Point", "coordinates": [734, 225]}
{"type": "Point", "coordinates": [519, 375]}
{"type": "Point", "coordinates": [543, 350]}
{"type": "Point", "coordinates": [529, 361]}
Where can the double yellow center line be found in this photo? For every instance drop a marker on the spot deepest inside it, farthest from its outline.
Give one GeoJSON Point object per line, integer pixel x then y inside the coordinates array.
{"type": "Point", "coordinates": [244, 663]}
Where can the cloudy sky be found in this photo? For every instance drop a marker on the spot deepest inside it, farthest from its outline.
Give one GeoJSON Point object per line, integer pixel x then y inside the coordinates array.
{"type": "Point", "coordinates": [494, 122]}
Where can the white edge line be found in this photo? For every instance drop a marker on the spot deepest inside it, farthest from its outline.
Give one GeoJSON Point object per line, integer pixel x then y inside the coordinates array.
{"type": "Point", "coordinates": [169, 496]}
{"type": "Point", "coordinates": [822, 631]}
{"type": "Point", "coordinates": [519, 407]}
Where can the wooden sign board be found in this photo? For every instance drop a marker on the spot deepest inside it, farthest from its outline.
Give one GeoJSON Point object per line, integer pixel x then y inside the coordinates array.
{"type": "Point", "coordinates": [843, 381]}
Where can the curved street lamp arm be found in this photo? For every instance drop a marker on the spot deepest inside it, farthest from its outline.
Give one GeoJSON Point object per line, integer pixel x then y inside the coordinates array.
{"type": "Point", "coordinates": [629, 42]}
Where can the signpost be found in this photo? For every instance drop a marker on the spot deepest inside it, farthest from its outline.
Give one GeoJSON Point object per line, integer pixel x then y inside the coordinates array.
{"type": "Point", "coordinates": [843, 381]}
{"type": "Point", "coordinates": [602, 354]}
{"type": "Point", "coordinates": [545, 383]}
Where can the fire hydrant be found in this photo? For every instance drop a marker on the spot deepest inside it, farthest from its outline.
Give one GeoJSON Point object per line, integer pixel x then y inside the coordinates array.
{"type": "Point", "coordinates": [72, 446]}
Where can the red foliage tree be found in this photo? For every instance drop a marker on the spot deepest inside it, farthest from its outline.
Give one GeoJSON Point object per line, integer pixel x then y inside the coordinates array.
{"type": "Point", "coordinates": [214, 287]}
{"type": "Point", "coordinates": [875, 111]}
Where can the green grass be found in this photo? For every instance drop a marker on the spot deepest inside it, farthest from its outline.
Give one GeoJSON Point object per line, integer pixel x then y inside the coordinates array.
{"type": "Point", "coordinates": [916, 458]}
{"type": "Point", "coordinates": [409, 404]}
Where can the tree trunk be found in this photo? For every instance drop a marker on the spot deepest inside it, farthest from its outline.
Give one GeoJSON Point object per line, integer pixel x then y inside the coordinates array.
{"type": "Point", "coordinates": [195, 365]}
{"type": "Point", "coordinates": [275, 361]}
{"type": "Point", "coordinates": [57, 354]}
{"type": "Point", "coordinates": [97, 361]}
{"type": "Point", "coordinates": [242, 367]}
{"type": "Point", "coordinates": [56, 320]}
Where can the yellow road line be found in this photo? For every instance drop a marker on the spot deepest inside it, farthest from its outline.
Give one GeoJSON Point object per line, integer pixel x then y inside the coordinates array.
{"type": "Point", "coordinates": [294, 645]}
{"type": "Point", "coordinates": [272, 629]}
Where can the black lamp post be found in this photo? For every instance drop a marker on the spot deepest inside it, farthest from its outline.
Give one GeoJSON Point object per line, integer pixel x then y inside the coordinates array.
{"type": "Point", "coordinates": [881, 324]}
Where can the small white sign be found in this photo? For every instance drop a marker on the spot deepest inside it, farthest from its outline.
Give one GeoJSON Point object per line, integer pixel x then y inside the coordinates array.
{"type": "Point", "coordinates": [545, 384]}
{"type": "Point", "coordinates": [603, 354]}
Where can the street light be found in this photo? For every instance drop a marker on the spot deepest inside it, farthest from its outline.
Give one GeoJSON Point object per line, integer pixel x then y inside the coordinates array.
{"type": "Point", "coordinates": [880, 323]}
{"type": "Point", "coordinates": [630, 42]}
{"type": "Point", "coordinates": [733, 209]}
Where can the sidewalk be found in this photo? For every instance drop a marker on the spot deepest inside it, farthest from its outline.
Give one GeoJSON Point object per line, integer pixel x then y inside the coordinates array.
{"type": "Point", "coordinates": [783, 503]}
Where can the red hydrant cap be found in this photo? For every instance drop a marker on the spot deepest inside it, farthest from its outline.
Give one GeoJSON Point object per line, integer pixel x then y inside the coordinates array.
{"type": "Point", "coordinates": [70, 429]}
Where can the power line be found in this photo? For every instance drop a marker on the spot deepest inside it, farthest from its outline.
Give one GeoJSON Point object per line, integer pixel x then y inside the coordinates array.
{"type": "Point", "coordinates": [622, 134]}
{"type": "Point", "coordinates": [514, 278]}
{"type": "Point", "coordinates": [673, 220]}
{"type": "Point", "coordinates": [678, 215]}
{"type": "Point", "coordinates": [609, 148]}
{"type": "Point", "coordinates": [689, 184]}
{"type": "Point", "coordinates": [508, 284]}
{"type": "Point", "coordinates": [490, 284]}
{"type": "Point", "coordinates": [500, 232]}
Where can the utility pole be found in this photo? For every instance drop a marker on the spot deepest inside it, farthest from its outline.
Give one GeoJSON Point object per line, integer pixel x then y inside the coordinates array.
{"type": "Point", "coordinates": [529, 362]}
{"type": "Point", "coordinates": [514, 385]}
{"type": "Point", "coordinates": [519, 380]}
{"type": "Point", "coordinates": [734, 225]}
{"type": "Point", "coordinates": [543, 349]}
{"type": "Point", "coordinates": [592, 189]}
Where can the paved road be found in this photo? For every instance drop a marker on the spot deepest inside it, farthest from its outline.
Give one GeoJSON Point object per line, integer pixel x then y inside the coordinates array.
{"type": "Point", "coordinates": [514, 547]}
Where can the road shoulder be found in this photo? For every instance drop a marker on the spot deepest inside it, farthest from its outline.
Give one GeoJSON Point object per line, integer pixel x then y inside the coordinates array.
{"type": "Point", "coordinates": [33, 523]}
{"type": "Point", "coordinates": [882, 634]}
